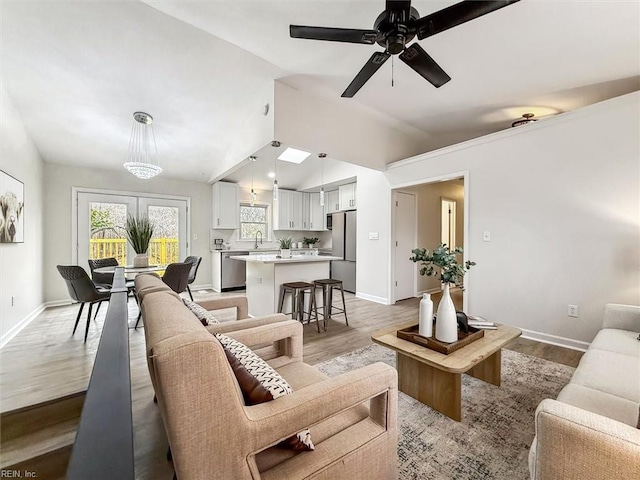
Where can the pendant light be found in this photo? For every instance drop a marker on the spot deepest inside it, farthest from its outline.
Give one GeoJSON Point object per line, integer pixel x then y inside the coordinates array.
{"type": "Point", "coordinates": [322, 156]}
{"type": "Point", "coordinates": [140, 161]}
{"type": "Point", "coordinates": [252, 195]}
{"type": "Point", "coordinates": [275, 144]}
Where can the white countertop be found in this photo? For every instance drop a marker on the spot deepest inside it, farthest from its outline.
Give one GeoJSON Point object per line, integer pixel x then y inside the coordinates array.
{"type": "Point", "coordinates": [293, 259]}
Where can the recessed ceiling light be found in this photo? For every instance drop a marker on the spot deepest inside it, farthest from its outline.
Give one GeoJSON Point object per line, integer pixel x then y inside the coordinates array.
{"type": "Point", "coordinates": [271, 175]}
{"type": "Point", "coordinates": [293, 155]}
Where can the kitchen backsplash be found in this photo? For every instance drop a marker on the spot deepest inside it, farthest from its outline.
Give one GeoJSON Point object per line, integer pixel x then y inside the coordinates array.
{"type": "Point", "coordinates": [230, 238]}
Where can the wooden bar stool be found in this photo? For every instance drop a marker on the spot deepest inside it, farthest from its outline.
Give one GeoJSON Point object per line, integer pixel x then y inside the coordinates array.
{"type": "Point", "coordinates": [297, 291]}
{"type": "Point", "coordinates": [327, 285]}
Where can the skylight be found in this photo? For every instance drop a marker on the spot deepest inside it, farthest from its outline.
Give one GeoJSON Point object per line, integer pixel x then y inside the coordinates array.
{"type": "Point", "coordinates": [293, 155]}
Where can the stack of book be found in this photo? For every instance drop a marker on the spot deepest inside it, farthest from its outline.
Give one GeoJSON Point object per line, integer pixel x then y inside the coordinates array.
{"type": "Point", "coordinates": [479, 322]}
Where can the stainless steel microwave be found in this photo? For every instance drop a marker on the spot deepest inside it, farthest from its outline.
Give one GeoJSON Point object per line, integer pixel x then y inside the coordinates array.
{"type": "Point", "coordinates": [329, 221]}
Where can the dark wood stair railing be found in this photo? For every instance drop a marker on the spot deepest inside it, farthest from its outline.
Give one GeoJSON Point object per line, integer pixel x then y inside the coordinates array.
{"type": "Point", "coordinates": [103, 448]}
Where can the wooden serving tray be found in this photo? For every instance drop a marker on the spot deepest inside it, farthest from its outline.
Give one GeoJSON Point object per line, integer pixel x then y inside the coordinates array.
{"type": "Point", "coordinates": [411, 335]}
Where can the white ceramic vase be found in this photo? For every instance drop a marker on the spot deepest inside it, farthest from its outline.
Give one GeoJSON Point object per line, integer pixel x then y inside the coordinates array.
{"type": "Point", "coordinates": [285, 253]}
{"type": "Point", "coordinates": [425, 319]}
{"type": "Point", "coordinates": [141, 260]}
{"type": "Point", "coordinates": [446, 322]}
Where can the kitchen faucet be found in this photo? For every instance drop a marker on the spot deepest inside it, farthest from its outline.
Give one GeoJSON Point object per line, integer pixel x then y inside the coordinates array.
{"type": "Point", "coordinates": [256, 245]}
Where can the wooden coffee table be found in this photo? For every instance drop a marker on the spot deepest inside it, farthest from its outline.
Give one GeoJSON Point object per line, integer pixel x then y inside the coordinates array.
{"type": "Point", "coordinates": [434, 378]}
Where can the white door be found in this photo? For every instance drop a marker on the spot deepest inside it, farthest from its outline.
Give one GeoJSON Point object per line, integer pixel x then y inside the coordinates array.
{"type": "Point", "coordinates": [448, 222]}
{"type": "Point", "coordinates": [405, 230]}
{"type": "Point", "coordinates": [100, 227]}
{"type": "Point", "coordinates": [170, 241]}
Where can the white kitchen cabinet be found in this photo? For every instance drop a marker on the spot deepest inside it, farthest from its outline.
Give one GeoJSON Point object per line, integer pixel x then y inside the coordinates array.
{"type": "Point", "coordinates": [317, 217]}
{"type": "Point", "coordinates": [306, 212]}
{"type": "Point", "coordinates": [347, 195]}
{"type": "Point", "coordinates": [332, 201]}
{"type": "Point", "coordinates": [288, 210]}
{"type": "Point", "coordinates": [226, 206]}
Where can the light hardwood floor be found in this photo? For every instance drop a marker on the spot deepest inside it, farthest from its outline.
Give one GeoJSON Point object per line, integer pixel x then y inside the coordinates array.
{"type": "Point", "coordinates": [44, 361]}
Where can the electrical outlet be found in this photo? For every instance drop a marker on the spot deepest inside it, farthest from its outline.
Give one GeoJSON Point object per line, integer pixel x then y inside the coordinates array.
{"type": "Point", "coordinates": [195, 236]}
{"type": "Point", "coordinates": [572, 310]}
{"type": "Point", "coordinates": [259, 280]}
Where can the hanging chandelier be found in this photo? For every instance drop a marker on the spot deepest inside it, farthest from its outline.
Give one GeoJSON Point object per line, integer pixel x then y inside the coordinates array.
{"type": "Point", "coordinates": [139, 158]}
{"type": "Point", "coordinates": [275, 144]}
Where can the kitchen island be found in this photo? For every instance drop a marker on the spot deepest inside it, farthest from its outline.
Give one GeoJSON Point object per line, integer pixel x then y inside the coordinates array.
{"type": "Point", "coordinates": [265, 274]}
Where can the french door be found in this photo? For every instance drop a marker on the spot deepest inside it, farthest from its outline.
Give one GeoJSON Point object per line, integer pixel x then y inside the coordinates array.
{"type": "Point", "coordinates": [100, 225]}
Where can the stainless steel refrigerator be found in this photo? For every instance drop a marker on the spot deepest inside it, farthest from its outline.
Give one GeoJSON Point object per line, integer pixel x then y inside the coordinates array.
{"type": "Point", "coordinates": [343, 242]}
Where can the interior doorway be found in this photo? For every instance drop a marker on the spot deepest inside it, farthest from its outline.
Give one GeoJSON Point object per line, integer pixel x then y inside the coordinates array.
{"type": "Point", "coordinates": [448, 222]}
{"type": "Point", "coordinates": [439, 217]}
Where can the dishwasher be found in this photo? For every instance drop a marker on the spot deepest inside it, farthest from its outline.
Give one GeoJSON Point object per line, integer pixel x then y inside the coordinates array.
{"type": "Point", "coordinates": [233, 272]}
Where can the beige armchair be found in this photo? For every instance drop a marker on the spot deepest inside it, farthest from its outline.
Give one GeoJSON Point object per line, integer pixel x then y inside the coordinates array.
{"type": "Point", "coordinates": [214, 435]}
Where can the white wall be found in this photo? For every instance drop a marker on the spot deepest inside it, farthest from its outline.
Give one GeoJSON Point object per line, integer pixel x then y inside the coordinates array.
{"type": "Point", "coordinates": [21, 263]}
{"type": "Point", "coordinates": [561, 199]}
{"type": "Point", "coordinates": [59, 181]}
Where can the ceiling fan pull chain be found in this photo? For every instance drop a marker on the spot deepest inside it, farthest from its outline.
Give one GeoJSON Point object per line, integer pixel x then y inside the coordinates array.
{"type": "Point", "coordinates": [392, 71]}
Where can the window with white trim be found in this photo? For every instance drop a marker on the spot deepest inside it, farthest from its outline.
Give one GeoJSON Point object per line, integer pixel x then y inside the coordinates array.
{"type": "Point", "coordinates": [253, 220]}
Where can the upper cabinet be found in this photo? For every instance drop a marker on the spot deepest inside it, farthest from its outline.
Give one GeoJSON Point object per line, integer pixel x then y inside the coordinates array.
{"type": "Point", "coordinates": [297, 211]}
{"type": "Point", "coordinates": [226, 206]}
{"type": "Point", "coordinates": [287, 210]}
{"type": "Point", "coordinates": [332, 201]}
{"type": "Point", "coordinates": [347, 195]}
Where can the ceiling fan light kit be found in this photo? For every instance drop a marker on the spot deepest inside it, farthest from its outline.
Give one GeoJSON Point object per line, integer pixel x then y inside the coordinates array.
{"type": "Point", "coordinates": [394, 28]}
{"type": "Point", "coordinates": [140, 160]}
{"type": "Point", "coordinates": [526, 118]}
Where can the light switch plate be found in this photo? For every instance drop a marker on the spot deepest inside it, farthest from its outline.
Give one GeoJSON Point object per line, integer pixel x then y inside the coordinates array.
{"type": "Point", "coordinates": [486, 236]}
{"type": "Point", "coordinates": [374, 236]}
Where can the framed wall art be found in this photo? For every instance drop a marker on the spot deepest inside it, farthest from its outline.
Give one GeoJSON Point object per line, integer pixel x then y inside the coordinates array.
{"type": "Point", "coordinates": [11, 209]}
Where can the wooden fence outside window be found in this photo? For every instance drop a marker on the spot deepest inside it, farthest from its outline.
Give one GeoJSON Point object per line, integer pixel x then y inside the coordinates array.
{"type": "Point", "coordinates": [162, 251]}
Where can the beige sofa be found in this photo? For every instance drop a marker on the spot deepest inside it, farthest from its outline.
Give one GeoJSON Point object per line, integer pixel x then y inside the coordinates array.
{"type": "Point", "coordinates": [214, 435]}
{"type": "Point", "coordinates": [590, 431]}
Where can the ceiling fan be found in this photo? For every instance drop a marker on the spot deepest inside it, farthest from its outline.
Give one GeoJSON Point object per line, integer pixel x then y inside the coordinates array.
{"type": "Point", "coordinates": [394, 29]}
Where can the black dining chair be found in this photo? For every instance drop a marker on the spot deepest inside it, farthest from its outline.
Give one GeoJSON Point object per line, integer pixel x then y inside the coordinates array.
{"type": "Point", "coordinates": [195, 263]}
{"type": "Point", "coordinates": [176, 277]}
{"type": "Point", "coordinates": [106, 279]}
{"type": "Point", "coordinates": [83, 290]}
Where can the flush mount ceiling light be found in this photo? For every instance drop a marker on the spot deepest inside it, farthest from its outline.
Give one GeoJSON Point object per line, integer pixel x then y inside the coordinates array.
{"type": "Point", "coordinates": [293, 155]}
{"type": "Point", "coordinates": [526, 118]}
{"type": "Point", "coordinates": [140, 161]}
{"type": "Point", "coordinates": [271, 175]}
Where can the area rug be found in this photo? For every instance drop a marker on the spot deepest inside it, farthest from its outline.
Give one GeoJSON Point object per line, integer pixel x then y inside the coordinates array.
{"type": "Point", "coordinates": [497, 428]}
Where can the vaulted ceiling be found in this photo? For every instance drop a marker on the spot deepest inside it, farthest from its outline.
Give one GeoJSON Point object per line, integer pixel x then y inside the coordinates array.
{"type": "Point", "coordinates": [76, 71]}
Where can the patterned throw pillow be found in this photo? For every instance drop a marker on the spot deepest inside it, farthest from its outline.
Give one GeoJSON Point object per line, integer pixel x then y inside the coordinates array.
{"type": "Point", "coordinates": [260, 383]}
{"type": "Point", "coordinates": [204, 315]}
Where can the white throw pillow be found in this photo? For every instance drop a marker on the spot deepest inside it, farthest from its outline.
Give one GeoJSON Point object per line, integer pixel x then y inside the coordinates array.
{"type": "Point", "coordinates": [204, 315]}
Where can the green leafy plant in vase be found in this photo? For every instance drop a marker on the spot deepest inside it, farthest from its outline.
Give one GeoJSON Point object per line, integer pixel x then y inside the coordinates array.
{"type": "Point", "coordinates": [285, 247]}
{"type": "Point", "coordinates": [139, 231]}
{"type": "Point", "coordinates": [443, 262]}
{"type": "Point", "coordinates": [310, 242]}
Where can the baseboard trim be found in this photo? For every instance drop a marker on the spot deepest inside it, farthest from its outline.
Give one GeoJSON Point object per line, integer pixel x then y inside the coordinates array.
{"type": "Point", "coordinates": [204, 286]}
{"type": "Point", "coordinates": [555, 340]}
{"type": "Point", "coordinates": [372, 298]}
{"type": "Point", "coordinates": [58, 303]}
{"type": "Point", "coordinates": [7, 337]}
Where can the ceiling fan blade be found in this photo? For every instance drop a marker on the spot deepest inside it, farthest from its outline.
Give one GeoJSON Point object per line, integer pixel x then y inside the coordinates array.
{"type": "Point", "coordinates": [348, 35]}
{"type": "Point", "coordinates": [457, 14]}
{"type": "Point", "coordinates": [371, 67]}
{"type": "Point", "coordinates": [421, 62]}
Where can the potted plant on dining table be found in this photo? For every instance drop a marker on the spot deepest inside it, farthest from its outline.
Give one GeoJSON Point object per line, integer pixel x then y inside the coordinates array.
{"type": "Point", "coordinates": [444, 262]}
{"type": "Point", "coordinates": [139, 231]}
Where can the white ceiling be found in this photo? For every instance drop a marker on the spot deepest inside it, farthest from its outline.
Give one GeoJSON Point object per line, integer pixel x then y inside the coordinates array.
{"type": "Point", "coordinates": [76, 71]}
